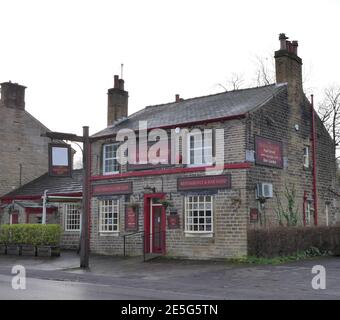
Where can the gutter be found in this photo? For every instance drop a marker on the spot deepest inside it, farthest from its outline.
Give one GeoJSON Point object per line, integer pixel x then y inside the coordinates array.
{"type": "Point", "coordinates": [314, 147]}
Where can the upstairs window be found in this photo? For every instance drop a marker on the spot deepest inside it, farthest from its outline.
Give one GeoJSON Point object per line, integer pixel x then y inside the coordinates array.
{"type": "Point", "coordinates": [110, 159]}
{"type": "Point", "coordinates": [306, 157]}
{"type": "Point", "coordinates": [200, 148]}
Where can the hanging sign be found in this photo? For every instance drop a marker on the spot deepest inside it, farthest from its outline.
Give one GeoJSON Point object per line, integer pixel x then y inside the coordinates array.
{"type": "Point", "coordinates": [60, 160]}
{"type": "Point", "coordinates": [173, 221]}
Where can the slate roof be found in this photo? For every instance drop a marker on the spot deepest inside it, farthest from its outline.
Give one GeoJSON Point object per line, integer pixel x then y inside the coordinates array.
{"type": "Point", "coordinates": [221, 105]}
{"type": "Point", "coordinates": [54, 185]}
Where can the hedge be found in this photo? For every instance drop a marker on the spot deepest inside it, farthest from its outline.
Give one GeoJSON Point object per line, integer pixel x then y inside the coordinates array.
{"type": "Point", "coordinates": [285, 241]}
{"type": "Point", "coordinates": [30, 234]}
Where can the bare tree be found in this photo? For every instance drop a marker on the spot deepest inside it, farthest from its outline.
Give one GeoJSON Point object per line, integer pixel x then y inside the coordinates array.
{"type": "Point", "coordinates": [329, 112]}
{"type": "Point", "coordinates": [264, 71]}
{"type": "Point", "coordinates": [235, 82]}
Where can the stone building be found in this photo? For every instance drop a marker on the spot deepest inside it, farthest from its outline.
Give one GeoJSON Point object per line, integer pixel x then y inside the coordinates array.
{"type": "Point", "coordinates": [225, 163]}
{"type": "Point", "coordinates": [23, 152]}
{"type": "Point", "coordinates": [63, 205]}
{"type": "Point", "coordinates": [273, 143]}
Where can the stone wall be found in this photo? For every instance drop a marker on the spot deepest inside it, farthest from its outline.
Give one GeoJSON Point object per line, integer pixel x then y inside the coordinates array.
{"type": "Point", "coordinates": [229, 238]}
{"type": "Point", "coordinates": [20, 145]}
{"type": "Point", "coordinates": [280, 121]}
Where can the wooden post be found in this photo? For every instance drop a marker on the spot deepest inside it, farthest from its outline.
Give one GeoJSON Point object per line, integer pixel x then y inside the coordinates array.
{"type": "Point", "coordinates": [84, 247]}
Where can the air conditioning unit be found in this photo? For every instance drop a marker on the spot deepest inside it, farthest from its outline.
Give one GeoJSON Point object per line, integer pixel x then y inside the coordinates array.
{"type": "Point", "coordinates": [264, 190]}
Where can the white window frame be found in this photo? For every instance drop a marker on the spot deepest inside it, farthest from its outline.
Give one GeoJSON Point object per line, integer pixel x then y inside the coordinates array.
{"type": "Point", "coordinates": [110, 206]}
{"type": "Point", "coordinates": [327, 214]}
{"type": "Point", "coordinates": [306, 157]}
{"type": "Point", "coordinates": [66, 212]}
{"type": "Point", "coordinates": [111, 158]}
{"type": "Point", "coordinates": [205, 204]}
{"type": "Point", "coordinates": [308, 213]}
{"type": "Point", "coordinates": [201, 147]}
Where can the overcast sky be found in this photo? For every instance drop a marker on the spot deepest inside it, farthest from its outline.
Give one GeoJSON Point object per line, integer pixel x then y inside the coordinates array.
{"type": "Point", "coordinates": [66, 52]}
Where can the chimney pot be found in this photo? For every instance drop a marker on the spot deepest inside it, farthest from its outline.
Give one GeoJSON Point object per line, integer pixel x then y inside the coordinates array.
{"type": "Point", "coordinates": [177, 98]}
{"type": "Point", "coordinates": [121, 84]}
{"type": "Point", "coordinates": [116, 82]}
{"type": "Point", "coordinates": [283, 43]}
{"type": "Point", "coordinates": [295, 46]}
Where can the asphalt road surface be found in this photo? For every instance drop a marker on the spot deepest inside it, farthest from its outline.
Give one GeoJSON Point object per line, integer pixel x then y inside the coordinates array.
{"type": "Point", "coordinates": [176, 280]}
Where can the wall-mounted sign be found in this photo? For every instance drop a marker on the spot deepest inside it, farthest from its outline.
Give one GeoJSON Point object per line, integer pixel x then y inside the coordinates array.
{"type": "Point", "coordinates": [60, 160]}
{"type": "Point", "coordinates": [112, 189]}
{"type": "Point", "coordinates": [131, 219]}
{"type": "Point", "coordinates": [268, 152]}
{"type": "Point", "coordinates": [253, 215]}
{"type": "Point", "coordinates": [205, 182]}
{"type": "Point", "coordinates": [173, 221]}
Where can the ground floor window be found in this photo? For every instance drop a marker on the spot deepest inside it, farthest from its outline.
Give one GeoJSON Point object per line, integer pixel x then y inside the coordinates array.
{"type": "Point", "coordinates": [72, 216]}
{"type": "Point", "coordinates": [308, 213]}
{"type": "Point", "coordinates": [108, 215]}
{"type": "Point", "coordinates": [327, 214]}
{"type": "Point", "coordinates": [199, 214]}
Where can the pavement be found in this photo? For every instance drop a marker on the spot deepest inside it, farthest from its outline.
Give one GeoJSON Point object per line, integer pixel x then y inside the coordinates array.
{"type": "Point", "coordinates": [121, 278]}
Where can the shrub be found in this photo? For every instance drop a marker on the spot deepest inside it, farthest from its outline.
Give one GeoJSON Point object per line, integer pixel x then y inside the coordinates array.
{"type": "Point", "coordinates": [30, 234]}
{"type": "Point", "coordinates": [285, 241]}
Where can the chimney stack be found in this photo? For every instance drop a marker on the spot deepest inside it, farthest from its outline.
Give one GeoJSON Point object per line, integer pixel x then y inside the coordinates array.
{"type": "Point", "coordinates": [12, 95]}
{"type": "Point", "coordinates": [117, 106]}
{"type": "Point", "coordinates": [288, 66]}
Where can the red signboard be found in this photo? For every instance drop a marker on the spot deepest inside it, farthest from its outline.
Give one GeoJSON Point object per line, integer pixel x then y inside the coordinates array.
{"type": "Point", "coordinates": [205, 182]}
{"type": "Point", "coordinates": [268, 152]}
{"type": "Point", "coordinates": [131, 219]}
{"type": "Point", "coordinates": [253, 215]}
{"type": "Point", "coordinates": [110, 189]}
{"type": "Point", "coordinates": [173, 221]}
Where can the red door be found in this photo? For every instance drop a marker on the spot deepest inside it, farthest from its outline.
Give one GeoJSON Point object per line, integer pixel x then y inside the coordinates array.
{"type": "Point", "coordinates": [15, 218]}
{"type": "Point", "coordinates": [154, 224]}
{"type": "Point", "coordinates": [157, 229]}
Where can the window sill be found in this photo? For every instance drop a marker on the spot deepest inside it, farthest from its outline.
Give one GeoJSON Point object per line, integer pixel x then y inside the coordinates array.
{"type": "Point", "coordinates": [110, 173]}
{"type": "Point", "coordinates": [190, 234]}
{"type": "Point", "coordinates": [199, 165]}
{"type": "Point", "coordinates": [109, 234]}
{"type": "Point", "coordinates": [72, 231]}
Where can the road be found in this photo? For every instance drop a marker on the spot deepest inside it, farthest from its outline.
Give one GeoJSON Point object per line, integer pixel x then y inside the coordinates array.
{"type": "Point", "coordinates": [176, 280]}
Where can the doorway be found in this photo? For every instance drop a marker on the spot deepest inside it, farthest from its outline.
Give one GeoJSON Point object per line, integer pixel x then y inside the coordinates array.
{"type": "Point", "coordinates": [154, 224]}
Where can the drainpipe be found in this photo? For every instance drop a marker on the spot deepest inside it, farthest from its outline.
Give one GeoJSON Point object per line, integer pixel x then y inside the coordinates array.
{"type": "Point", "coordinates": [315, 195]}
{"type": "Point", "coordinates": [44, 197]}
